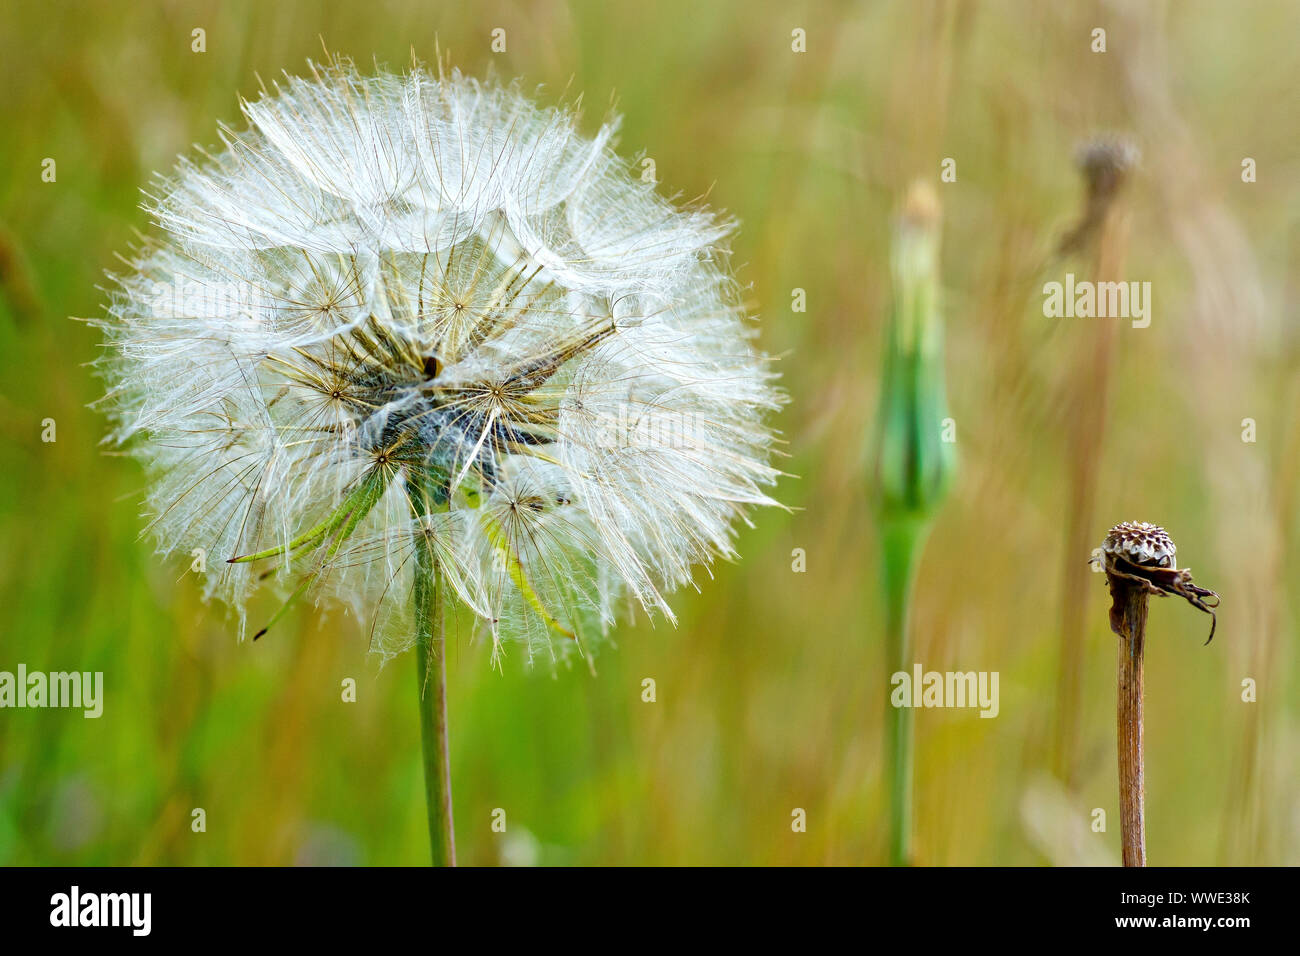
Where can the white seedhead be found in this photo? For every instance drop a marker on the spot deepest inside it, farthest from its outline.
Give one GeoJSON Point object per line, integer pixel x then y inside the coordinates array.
{"type": "Point", "coordinates": [423, 309]}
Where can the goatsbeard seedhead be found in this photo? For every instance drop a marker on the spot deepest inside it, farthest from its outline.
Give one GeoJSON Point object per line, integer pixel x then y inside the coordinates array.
{"type": "Point", "coordinates": [401, 309]}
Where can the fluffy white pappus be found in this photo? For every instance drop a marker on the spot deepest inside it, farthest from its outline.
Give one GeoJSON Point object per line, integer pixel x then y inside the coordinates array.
{"type": "Point", "coordinates": [412, 321]}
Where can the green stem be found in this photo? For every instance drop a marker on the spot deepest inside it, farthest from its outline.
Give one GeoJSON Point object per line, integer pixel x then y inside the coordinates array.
{"type": "Point", "coordinates": [431, 673]}
{"type": "Point", "coordinates": [902, 541]}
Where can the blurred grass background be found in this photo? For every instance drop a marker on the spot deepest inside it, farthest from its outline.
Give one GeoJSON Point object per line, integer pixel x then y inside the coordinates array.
{"type": "Point", "coordinates": [771, 691]}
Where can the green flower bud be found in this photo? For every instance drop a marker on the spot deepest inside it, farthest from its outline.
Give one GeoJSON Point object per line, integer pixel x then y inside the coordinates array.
{"type": "Point", "coordinates": [914, 463]}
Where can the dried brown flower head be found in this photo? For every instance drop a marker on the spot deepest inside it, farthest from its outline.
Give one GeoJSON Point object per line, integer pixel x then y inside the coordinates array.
{"type": "Point", "coordinates": [1143, 553]}
{"type": "Point", "coordinates": [1105, 164]}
